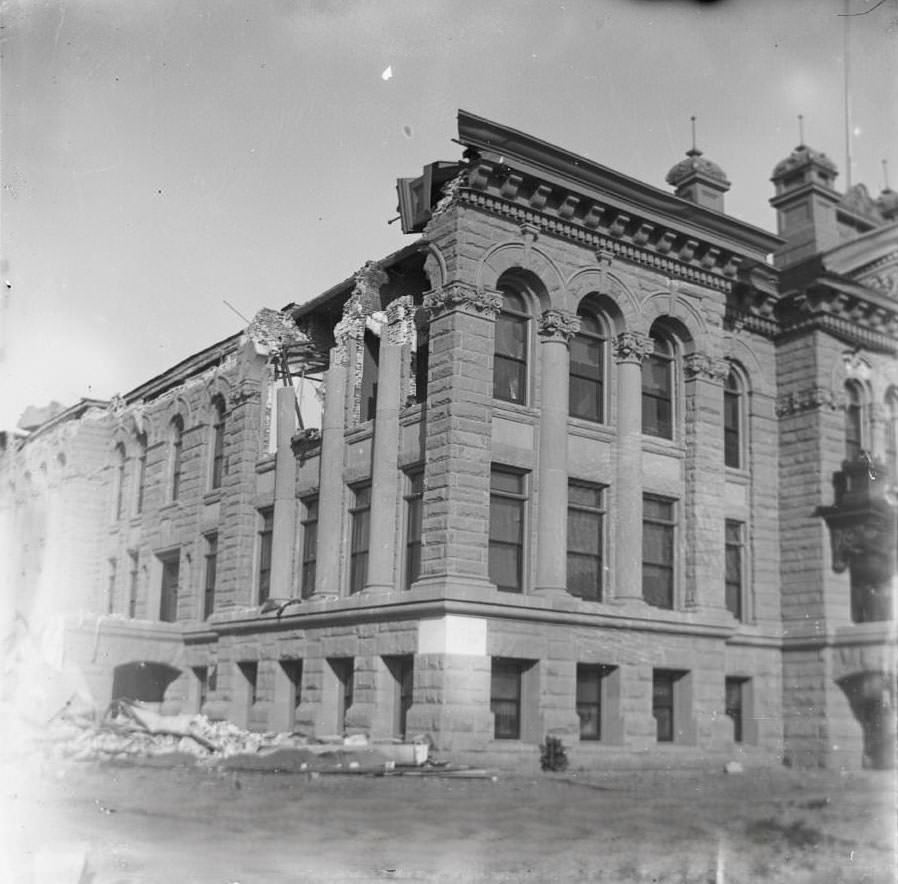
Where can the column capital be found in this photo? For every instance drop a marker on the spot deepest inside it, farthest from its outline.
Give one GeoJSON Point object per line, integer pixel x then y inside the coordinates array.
{"type": "Point", "coordinates": [558, 325]}
{"type": "Point", "coordinates": [467, 298]}
{"type": "Point", "coordinates": [701, 365]}
{"type": "Point", "coordinates": [401, 320]}
{"type": "Point", "coordinates": [631, 346]}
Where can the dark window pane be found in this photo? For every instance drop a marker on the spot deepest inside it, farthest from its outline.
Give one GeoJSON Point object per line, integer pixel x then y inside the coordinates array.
{"type": "Point", "coordinates": [309, 546]}
{"type": "Point", "coordinates": [732, 423]}
{"type": "Point", "coordinates": [168, 607]}
{"type": "Point", "coordinates": [734, 695]}
{"type": "Point", "coordinates": [663, 706]}
{"type": "Point", "coordinates": [505, 699]}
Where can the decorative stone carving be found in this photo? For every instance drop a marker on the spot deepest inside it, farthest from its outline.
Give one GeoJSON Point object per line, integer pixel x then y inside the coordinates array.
{"type": "Point", "coordinates": [632, 346]}
{"type": "Point", "coordinates": [461, 296]}
{"type": "Point", "coordinates": [701, 365]}
{"type": "Point", "coordinates": [401, 321]}
{"type": "Point", "coordinates": [558, 325]}
{"type": "Point", "coordinates": [806, 400]}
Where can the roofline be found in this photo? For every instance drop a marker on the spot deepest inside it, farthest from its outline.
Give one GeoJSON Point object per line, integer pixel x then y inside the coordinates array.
{"type": "Point", "coordinates": [544, 158]}
{"type": "Point", "coordinates": [192, 365]}
{"type": "Point", "coordinates": [73, 411]}
{"type": "Point", "coordinates": [390, 260]}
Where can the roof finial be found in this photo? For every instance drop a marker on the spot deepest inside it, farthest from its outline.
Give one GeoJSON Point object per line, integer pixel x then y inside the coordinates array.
{"type": "Point", "coordinates": [694, 151]}
{"type": "Point", "coordinates": [885, 175]}
{"type": "Point", "coordinates": [801, 130]}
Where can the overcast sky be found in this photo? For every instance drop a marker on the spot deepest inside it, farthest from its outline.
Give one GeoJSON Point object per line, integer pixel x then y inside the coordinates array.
{"type": "Point", "coordinates": [160, 158]}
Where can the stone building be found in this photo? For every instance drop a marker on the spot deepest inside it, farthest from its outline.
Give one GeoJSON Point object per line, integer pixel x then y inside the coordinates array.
{"type": "Point", "coordinates": [580, 460]}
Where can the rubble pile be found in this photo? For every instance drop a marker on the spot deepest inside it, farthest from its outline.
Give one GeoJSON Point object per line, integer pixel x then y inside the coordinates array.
{"type": "Point", "coordinates": [132, 731]}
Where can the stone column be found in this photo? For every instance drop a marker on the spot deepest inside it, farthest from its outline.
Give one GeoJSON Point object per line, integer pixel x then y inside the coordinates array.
{"type": "Point", "coordinates": [394, 347]}
{"type": "Point", "coordinates": [330, 483]}
{"type": "Point", "coordinates": [630, 350]}
{"type": "Point", "coordinates": [556, 328]}
{"type": "Point", "coordinates": [458, 435]}
{"type": "Point", "coordinates": [283, 534]}
{"type": "Point", "coordinates": [704, 512]}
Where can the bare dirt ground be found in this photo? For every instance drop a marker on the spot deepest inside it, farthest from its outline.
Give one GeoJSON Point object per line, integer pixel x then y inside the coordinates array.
{"type": "Point", "coordinates": [158, 824]}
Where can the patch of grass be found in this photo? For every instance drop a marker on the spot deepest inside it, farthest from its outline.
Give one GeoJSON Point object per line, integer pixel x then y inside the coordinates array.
{"type": "Point", "coordinates": [796, 834]}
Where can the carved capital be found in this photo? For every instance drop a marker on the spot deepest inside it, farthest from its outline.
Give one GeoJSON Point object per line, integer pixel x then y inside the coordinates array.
{"type": "Point", "coordinates": [810, 399]}
{"type": "Point", "coordinates": [700, 365]}
{"type": "Point", "coordinates": [464, 297]}
{"type": "Point", "coordinates": [558, 325]}
{"type": "Point", "coordinates": [632, 346]}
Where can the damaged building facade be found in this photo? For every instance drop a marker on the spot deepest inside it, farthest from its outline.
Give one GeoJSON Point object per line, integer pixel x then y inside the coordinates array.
{"type": "Point", "coordinates": [580, 460]}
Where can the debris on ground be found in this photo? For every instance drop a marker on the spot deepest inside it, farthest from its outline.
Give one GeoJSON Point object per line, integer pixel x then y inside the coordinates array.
{"type": "Point", "coordinates": [131, 731]}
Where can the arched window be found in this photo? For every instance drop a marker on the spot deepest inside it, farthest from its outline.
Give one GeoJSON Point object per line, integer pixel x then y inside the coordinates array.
{"type": "Point", "coordinates": [658, 389]}
{"type": "Point", "coordinates": [892, 431]}
{"type": "Point", "coordinates": [587, 372]}
{"type": "Point", "coordinates": [177, 444]}
{"type": "Point", "coordinates": [120, 463]}
{"type": "Point", "coordinates": [733, 421]}
{"type": "Point", "coordinates": [853, 422]}
{"type": "Point", "coordinates": [218, 437]}
{"type": "Point", "coordinates": [512, 339]}
{"type": "Point", "coordinates": [141, 472]}
{"type": "Point", "coordinates": [370, 361]}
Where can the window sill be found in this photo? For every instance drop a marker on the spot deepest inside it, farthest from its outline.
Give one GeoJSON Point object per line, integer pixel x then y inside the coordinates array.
{"type": "Point", "coordinates": [263, 465]}
{"type": "Point", "coordinates": [511, 411]}
{"type": "Point", "coordinates": [359, 432]}
{"type": "Point", "coordinates": [409, 414]}
{"type": "Point", "coordinates": [592, 429]}
{"type": "Point", "coordinates": [670, 447]}
{"type": "Point", "coordinates": [170, 507]}
{"type": "Point", "coordinates": [737, 477]}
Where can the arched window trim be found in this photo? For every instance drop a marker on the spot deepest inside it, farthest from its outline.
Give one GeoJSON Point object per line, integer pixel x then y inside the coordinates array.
{"type": "Point", "coordinates": [665, 424]}
{"type": "Point", "coordinates": [511, 371]}
{"type": "Point", "coordinates": [176, 466]}
{"type": "Point", "coordinates": [579, 371]}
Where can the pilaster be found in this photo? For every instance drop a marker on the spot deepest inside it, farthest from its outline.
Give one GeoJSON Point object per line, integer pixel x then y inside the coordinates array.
{"type": "Point", "coordinates": [457, 434]}
{"type": "Point", "coordinates": [284, 528]}
{"type": "Point", "coordinates": [556, 328]}
{"type": "Point", "coordinates": [630, 349]}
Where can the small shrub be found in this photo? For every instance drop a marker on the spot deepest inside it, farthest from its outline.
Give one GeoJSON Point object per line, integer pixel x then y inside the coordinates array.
{"type": "Point", "coordinates": [553, 755]}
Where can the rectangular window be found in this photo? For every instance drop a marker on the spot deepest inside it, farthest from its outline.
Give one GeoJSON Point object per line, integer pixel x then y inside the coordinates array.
{"type": "Point", "coordinates": [585, 532]}
{"type": "Point", "coordinates": [506, 541]}
{"type": "Point", "coordinates": [211, 564]}
{"type": "Point", "coordinates": [735, 543]}
{"type": "Point", "coordinates": [293, 671]}
{"type": "Point", "coordinates": [110, 589]}
{"type": "Point", "coordinates": [265, 533]}
{"type": "Point", "coordinates": [589, 699]}
{"type": "Point", "coordinates": [586, 388]}
{"type": "Point", "coordinates": [663, 683]}
{"type": "Point", "coordinates": [168, 601]}
{"type": "Point", "coordinates": [403, 671]}
{"type": "Point", "coordinates": [309, 545]}
{"type": "Point", "coordinates": [360, 530]}
{"type": "Point", "coordinates": [505, 698]}
{"type": "Point", "coordinates": [201, 673]}
{"type": "Point", "coordinates": [343, 668]}
{"type": "Point", "coordinates": [420, 364]}
{"type": "Point", "coordinates": [250, 671]}
{"type": "Point", "coordinates": [658, 544]}
{"type": "Point", "coordinates": [735, 698]}
{"type": "Point", "coordinates": [512, 330]}
{"type": "Point", "coordinates": [133, 577]}
{"type": "Point", "coordinates": [414, 511]}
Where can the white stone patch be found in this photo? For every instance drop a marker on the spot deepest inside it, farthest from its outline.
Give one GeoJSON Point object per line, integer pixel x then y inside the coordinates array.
{"type": "Point", "coordinates": [513, 433]}
{"type": "Point", "coordinates": [452, 635]}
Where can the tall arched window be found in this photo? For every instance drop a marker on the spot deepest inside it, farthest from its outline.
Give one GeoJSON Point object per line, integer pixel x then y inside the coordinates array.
{"type": "Point", "coordinates": [177, 444]}
{"type": "Point", "coordinates": [120, 462]}
{"type": "Point", "coordinates": [658, 389]}
{"type": "Point", "coordinates": [853, 422]}
{"type": "Point", "coordinates": [218, 437]}
{"type": "Point", "coordinates": [732, 421]}
{"type": "Point", "coordinates": [587, 372]}
{"type": "Point", "coordinates": [512, 339]}
{"type": "Point", "coordinates": [892, 431]}
{"type": "Point", "coordinates": [370, 361]}
{"type": "Point", "coordinates": [141, 479]}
